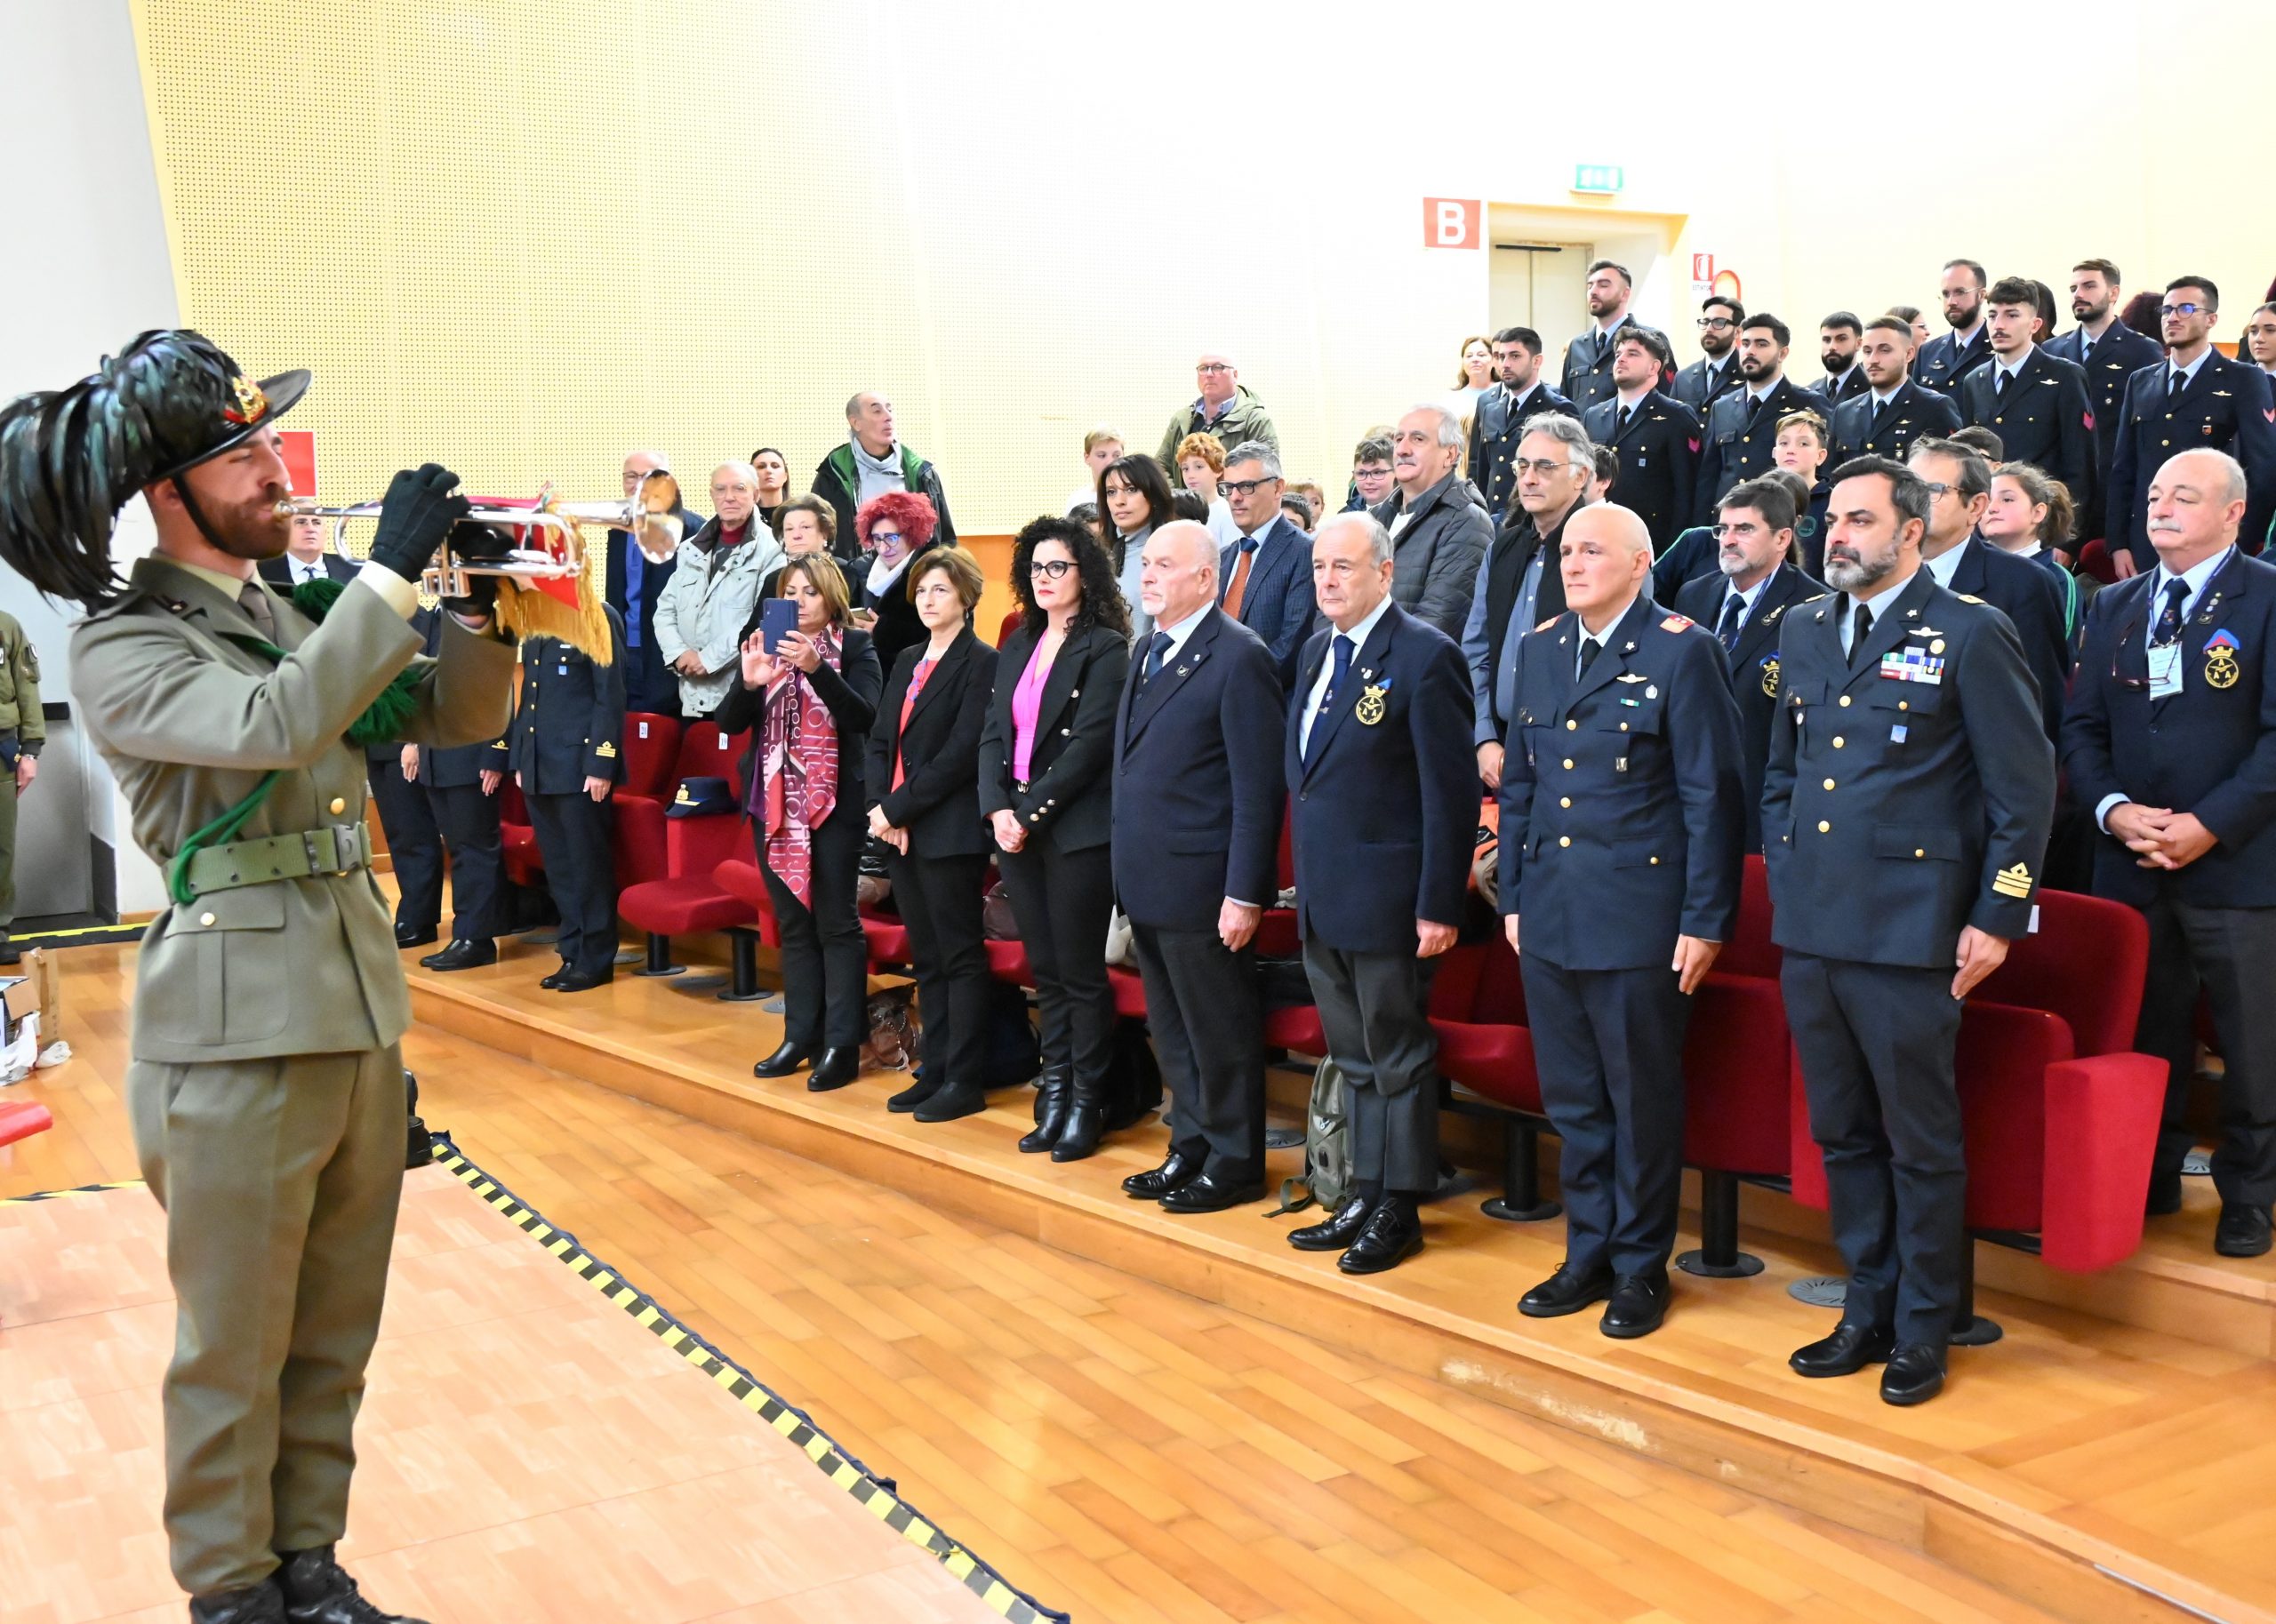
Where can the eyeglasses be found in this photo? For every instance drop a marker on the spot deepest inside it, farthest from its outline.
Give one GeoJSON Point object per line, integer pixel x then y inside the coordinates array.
{"type": "Point", "coordinates": [878, 538]}
{"type": "Point", "coordinates": [1212, 366]}
{"type": "Point", "coordinates": [1937, 490]}
{"type": "Point", "coordinates": [1245, 487]}
{"type": "Point", "coordinates": [1544, 469]}
{"type": "Point", "coordinates": [1051, 568]}
{"type": "Point", "coordinates": [2184, 309]}
{"type": "Point", "coordinates": [1717, 322]}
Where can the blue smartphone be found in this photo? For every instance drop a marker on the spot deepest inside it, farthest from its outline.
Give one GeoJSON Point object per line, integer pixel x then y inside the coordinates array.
{"type": "Point", "coordinates": [777, 618]}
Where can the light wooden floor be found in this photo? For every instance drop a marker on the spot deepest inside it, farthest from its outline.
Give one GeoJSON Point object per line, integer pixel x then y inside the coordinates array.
{"type": "Point", "coordinates": [1119, 1448]}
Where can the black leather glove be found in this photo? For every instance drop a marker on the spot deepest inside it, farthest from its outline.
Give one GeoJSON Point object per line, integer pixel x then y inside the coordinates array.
{"type": "Point", "coordinates": [478, 544]}
{"type": "Point", "coordinates": [420, 506]}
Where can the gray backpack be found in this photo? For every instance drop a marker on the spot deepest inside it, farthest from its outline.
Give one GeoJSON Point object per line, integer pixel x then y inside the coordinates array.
{"type": "Point", "coordinates": [1327, 1148]}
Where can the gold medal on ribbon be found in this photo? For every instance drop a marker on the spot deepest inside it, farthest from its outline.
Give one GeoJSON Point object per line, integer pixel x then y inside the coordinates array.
{"type": "Point", "coordinates": [1371, 707]}
{"type": "Point", "coordinates": [2220, 668]}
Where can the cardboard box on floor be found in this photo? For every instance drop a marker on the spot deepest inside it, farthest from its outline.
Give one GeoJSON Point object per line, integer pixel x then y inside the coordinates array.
{"type": "Point", "coordinates": [38, 990]}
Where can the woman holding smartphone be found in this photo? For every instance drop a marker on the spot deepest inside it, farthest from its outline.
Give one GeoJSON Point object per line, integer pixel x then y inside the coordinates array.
{"type": "Point", "coordinates": [807, 691]}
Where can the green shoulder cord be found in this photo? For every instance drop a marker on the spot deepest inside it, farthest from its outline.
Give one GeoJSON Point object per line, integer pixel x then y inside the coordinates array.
{"type": "Point", "coordinates": [382, 720]}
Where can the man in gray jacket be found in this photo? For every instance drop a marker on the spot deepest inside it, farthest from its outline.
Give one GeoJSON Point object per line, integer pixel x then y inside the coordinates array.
{"type": "Point", "coordinates": [703, 608]}
{"type": "Point", "coordinates": [1438, 522]}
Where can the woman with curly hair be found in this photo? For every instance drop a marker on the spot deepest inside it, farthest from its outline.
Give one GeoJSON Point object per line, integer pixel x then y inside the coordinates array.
{"type": "Point", "coordinates": [892, 529]}
{"type": "Point", "coordinates": [1045, 790]}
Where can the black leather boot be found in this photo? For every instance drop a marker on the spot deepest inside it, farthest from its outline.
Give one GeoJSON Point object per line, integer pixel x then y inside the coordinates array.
{"type": "Point", "coordinates": [918, 1093]}
{"type": "Point", "coordinates": [1085, 1121]}
{"type": "Point", "coordinates": [1053, 1094]}
{"type": "Point", "coordinates": [781, 1063]}
{"type": "Point", "coordinates": [262, 1603]}
{"type": "Point", "coordinates": [833, 1069]}
{"type": "Point", "coordinates": [319, 1591]}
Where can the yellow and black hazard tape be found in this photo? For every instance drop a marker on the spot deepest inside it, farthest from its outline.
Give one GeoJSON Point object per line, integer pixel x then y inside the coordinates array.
{"type": "Point", "coordinates": [879, 1494]}
{"type": "Point", "coordinates": [83, 936]}
{"type": "Point", "coordinates": [72, 1194]}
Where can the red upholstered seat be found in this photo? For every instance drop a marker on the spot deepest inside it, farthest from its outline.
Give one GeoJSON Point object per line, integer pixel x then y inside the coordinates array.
{"type": "Point", "coordinates": [1296, 1030]}
{"type": "Point", "coordinates": [1129, 992]}
{"type": "Point", "coordinates": [1276, 932]}
{"type": "Point", "coordinates": [1478, 1008]}
{"type": "Point", "coordinates": [746, 881]}
{"type": "Point", "coordinates": [676, 907]}
{"type": "Point", "coordinates": [1011, 624]}
{"type": "Point", "coordinates": [524, 863]}
{"type": "Point", "coordinates": [1007, 961]}
{"type": "Point", "coordinates": [650, 748]}
{"type": "Point", "coordinates": [22, 1118]}
{"type": "Point", "coordinates": [1738, 1056]}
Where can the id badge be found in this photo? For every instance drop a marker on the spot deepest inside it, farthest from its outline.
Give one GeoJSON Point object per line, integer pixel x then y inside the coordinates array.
{"type": "Point", "coordinates": [2165, 671]}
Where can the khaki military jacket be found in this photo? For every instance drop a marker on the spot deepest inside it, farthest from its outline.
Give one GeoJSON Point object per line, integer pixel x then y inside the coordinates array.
{"type": "Point", "coordinates": [20, 686]}
{"type": "Point", "coordinates": [189, 722]}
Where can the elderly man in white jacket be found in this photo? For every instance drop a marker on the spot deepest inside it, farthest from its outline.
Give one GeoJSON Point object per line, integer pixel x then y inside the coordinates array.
{"type": "Point", "coordinates": [701, 612]}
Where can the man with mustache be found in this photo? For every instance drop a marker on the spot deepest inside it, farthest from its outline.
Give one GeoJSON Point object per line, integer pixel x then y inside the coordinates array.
{"type": "Point", "coordinates": [1905, 810]}
{"type": "Point", "coordinates": [2108, 352]}
{"type": "Point", "coordinates": [1839, 335]}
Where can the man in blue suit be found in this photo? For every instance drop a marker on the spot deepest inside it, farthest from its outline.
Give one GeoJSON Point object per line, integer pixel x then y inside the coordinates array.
{"type": "Point", "coordinates": [2171, 745]}
{"type": "Point", "coordinates": [1385, 815]}
{"type": "Point", "coordinates": [1264, 580]}
{"type": "Point", "coordinates": [1198, 801]}
{"type": "Point", "coordinates": [1620, 817]}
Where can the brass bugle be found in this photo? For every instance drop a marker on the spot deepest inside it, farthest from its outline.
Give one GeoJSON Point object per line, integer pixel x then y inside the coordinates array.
{"type": "Point", "coordinates": [446, 577]}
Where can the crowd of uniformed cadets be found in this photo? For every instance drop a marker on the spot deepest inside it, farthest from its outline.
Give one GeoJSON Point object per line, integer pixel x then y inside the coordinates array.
{"type": "Point", "coordinates": [1667, 617]}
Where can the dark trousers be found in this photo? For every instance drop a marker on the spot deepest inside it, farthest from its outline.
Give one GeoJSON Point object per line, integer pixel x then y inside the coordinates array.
{"type": "Point", "coordinates": [2227, 952]}
{"type": "Point", "coordinates": [1876, 1046]}
{"type": "Point", "coordinates": [572, 836]}
{"type": "Point", "coordinates": [1065, 902]}
{"type": "Point", "coordinates": [825, 960]}
{"type": "Point", "coordinates": [1208, 1031]}
{"type": "Point", "coordinates": [939, 899]}
{"type": "Point", "coordinates": [468, 820]}
{"type": "Point", "coordinates": [1375, 1010]}
{"type": "Point", "coordinates": [414, 844]}
{"type": "Point", "coordinates": [1609, 1045]}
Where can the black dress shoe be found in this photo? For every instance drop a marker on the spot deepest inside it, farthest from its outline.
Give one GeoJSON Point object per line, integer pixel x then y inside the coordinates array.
{"type": "Point", "coordinates": [1849, 1350]}
{"type": "Point", "coordinates": [1639, 1302]}
{"type": "Point", "coordinates": [1085, 1121]}
{"type": "Point", "coordinates": [1177, 1170]}
{"type": "Point", "coordinates": [1205, 1194]}
{"type": "Point", "coordinates": [957, 1100]}
{"type": "Point", "coordinates": [833, 1069]}
{"type": "Point", "coordinates": [262, 1603]}
{"type": "Point", "coordinates": [1054, 1094]}
{"type": "Point", "coordinates": [584, 980]}
{"type": "Point", "coordinates": [1339, 1231]}
{"type": "Point", "coordinates": [1914, 1374]}
{"type": "Point", "coordinates": [2164, 1196]}
{"type": "Point", "coordinates": [2243, 1231]}
{"type": "Point", "coordinates": [317, 1590]}
{"type": "Point", "coordinates": [412, 936]}
{"type": "Point", "coordinates": [464, 953]}
{"type": "Point", "coordinates": [782, 1062]}
{"type": "Point", "coordinates": [1394, 1234]}
{"type": "Point", "coordinates": [919, 1089]}
{"type": "Point", "coordinates": [1568, 1291]}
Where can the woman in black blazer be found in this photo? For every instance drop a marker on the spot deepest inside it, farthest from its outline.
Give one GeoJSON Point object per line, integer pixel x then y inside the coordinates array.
{"type": "Point", "coordinates": [924, 784]}
{"type": "Point", "coordinates": [809, 708]}
{"type": "Point", "coordinates": [1045, 788]}
{"type": "Point", "coordinates": [894, 530]}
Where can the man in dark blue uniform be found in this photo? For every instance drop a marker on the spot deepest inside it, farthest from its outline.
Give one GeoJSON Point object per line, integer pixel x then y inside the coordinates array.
{"type": "Point", "coordinates": [2035, 401]}
{"type": "Point", "coordinates": [2171, 742]}
{"type": "Point", "coordinates": [1384, 816]}
{"type": "Point", "coordinates": [2195, 399]}
{"type": "Point", "coordinates": [1742, 429]}
{"type": "Point", "coordinates": [1498, 424]}
{"type": "Point", "coordinates": [1588, 359]}
{"type": "Point", "coordinates": [1839, 336]}
{"type": "Point", "coordinates": [568, 758]}
{"type": "Point", "coordinates": [2108, 352]}
{"type": "Point", "coordinates": [1891, 411]}
{"type": "Point", "coordinates": [1655, 435]}
{"type": "Point", "coordinates": [1702, 383]}
{"type": "Point", "coordinates": [1904, 815]}
{"type": "Point", "coordinates": [1946, 359]}
{"type": "Point", "coordinates": [1743, 599]}
{"type": "Point", "coordinates": [1620, 814]}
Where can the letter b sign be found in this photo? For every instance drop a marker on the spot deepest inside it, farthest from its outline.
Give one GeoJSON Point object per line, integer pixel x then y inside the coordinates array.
{"type": "Point", "coordinates": [1450, 222]}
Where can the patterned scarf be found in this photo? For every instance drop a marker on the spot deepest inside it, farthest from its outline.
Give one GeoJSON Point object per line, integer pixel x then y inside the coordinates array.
{"type": "Point", "coordinates": [797, 785]}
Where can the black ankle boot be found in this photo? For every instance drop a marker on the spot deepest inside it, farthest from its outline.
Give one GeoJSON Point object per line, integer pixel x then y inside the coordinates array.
{"type": "Point", "coordinates": [917, 1093]}
{"type": "Point", "coordinates": [781, 1063]}
{"type": "Point", "coordinates": [262, 1603]}
{"type": "Point", "coordinates": [1052, 1096]}
{"type": "Point", "coordinates": [1085, 1121]}
{"type": "Point", "coordinates": [316, 1590]}
{"type": "Point", "coordinates": [833, 1069]}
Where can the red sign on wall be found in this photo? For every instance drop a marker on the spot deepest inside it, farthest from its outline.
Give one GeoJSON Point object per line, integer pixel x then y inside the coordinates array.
{"type": "Point", "coordinates": [1451, 222]}
{"type": "Point", "coordinates": [300, 459]}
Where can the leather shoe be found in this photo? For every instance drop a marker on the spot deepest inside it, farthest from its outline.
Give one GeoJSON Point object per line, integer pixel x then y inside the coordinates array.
{"type": "Point", "coordinates": [1177, 1171]}
{"type": "Point", "coordinates": [584, 980]}
{"type": "Point", "coordinates": [1339, 1231]}
{"type": "Point", "coordinates": [782, 1062]}
{"type": "Point", "coordinates": [1914, 1374]}
{"type": "Point", "coordinates": [2243, 1231]}
{"type": "Point", "coordinates": [554, 980]}
{"type": "Point", "coordinates": [1394, 1234]}
{"type": "Point", "coordinates": [919, 1089]}
{"type": "Point", "coordinates": [1207, 1194]}
{"type": "Point", "coordinates": [317, 1590]}
{"type": "Point", "coordinates": [412, 936]}
{"type": "Point", "coordinates": [1085, 1121]}
{"type": "Point", "coordinates": [833, 1069]}
{"type": "Point", "coordinates": [1849, 1350]}
{"type": "Point", "coordinates": [1054, 1092]}
{"type": "Point", "coordinates": [1639, 1302]}
{"type": "Point", "coordinates": [261, 1603]}
{"type": "Point", "coordinates": [957, 1100]}
{"type": "Point", "coordinates": [464, 953]}
{"type": "Point", "coordinates": [2164, 1196]}
{"type": "Point", "coordinates": [1568, 1291]}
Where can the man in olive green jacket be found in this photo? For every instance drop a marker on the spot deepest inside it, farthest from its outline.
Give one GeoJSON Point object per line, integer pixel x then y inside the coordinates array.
{"type": "Point", "coordinates": [265, 1086]}
{"type": "Point", "coordinates": [22, 730]}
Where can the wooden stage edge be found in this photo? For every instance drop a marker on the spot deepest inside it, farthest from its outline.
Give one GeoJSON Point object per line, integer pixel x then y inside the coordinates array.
{"type": "Point", "coordinates": [1941, 1502]}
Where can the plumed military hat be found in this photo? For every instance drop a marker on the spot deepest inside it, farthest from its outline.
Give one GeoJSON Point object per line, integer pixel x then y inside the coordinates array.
{"type": "Point", "coordinates": [71, 459]}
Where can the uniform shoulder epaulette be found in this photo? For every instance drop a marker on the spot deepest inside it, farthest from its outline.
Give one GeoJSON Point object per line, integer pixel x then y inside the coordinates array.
{"type": "Point", "coordinates": [133, 598]}
{"type": "Point", "coordinates": [1772, 617]}
{"type": "Point", "coordinates": [1545, 625]}
{"type": "Point", "coordinates": [1678, 623]}
{"type": "Point", "coordinates": [1817, 598]}
{"type": "Point", "coordinates": [1967, 597]}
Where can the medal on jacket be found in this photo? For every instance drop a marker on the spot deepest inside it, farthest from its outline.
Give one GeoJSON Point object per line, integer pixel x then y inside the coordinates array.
{"type": "Point", "coordinates": [2221, 670]}
{"type": "Point", "coordinates": [1371, 707]}
{"type": "Point", "coordinates": [1770, 677]}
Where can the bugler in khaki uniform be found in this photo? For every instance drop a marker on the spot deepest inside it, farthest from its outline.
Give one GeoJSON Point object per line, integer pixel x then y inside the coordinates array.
{"type": "Point", "coordinates": [22, 730]}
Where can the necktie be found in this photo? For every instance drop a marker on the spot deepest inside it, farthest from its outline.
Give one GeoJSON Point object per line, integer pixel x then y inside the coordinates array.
{"type": "Point", "coordinates": [1343, 652]}
{"type": "Point", "coordinates": [1734, 607]}
{"type": "Point", "coordinates": [2173, 382]}
{"type": "Point", "coordinates": [1998, 383]}
{"type": "Point", "coordinates": [2169, 619]}
{"type": "Point", "coordinates": [1590, 648]}
{"type": "Point", "coordinates": [1156, 651]}
{"type": "Point", "coordinates": [1621, 426]}
{"type": "Point", "coordinates": [2086, 347]}
{"type": "Point", "coordinates": [255, 603]}
{"type": "Point", "coordinates": [1240, 583]}
{"type": "Point", "coordinates": [1859, 628]}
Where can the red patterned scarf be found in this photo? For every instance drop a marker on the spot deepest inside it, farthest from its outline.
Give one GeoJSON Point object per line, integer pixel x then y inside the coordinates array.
{"type": "Point", "coordinates": [798, 779]}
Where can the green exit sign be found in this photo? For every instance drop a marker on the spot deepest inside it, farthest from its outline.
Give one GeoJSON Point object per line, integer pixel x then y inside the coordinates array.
{"type": "Point", "coordinates": [1601, 178]}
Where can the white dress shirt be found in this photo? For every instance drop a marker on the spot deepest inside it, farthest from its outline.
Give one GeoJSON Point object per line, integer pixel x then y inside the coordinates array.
{"type": "Point", "coordinates": [2195, 577]}
{"type": "Point", "coordinates": [1358, 635]}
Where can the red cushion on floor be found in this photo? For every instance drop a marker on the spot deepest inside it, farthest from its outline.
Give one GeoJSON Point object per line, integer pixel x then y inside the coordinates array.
{"type": "Point", "coordinates": [678, 906]}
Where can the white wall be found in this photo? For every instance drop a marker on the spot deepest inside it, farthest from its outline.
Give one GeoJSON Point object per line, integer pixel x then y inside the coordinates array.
{"type": "Point", "coordinates": [87, 269]}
